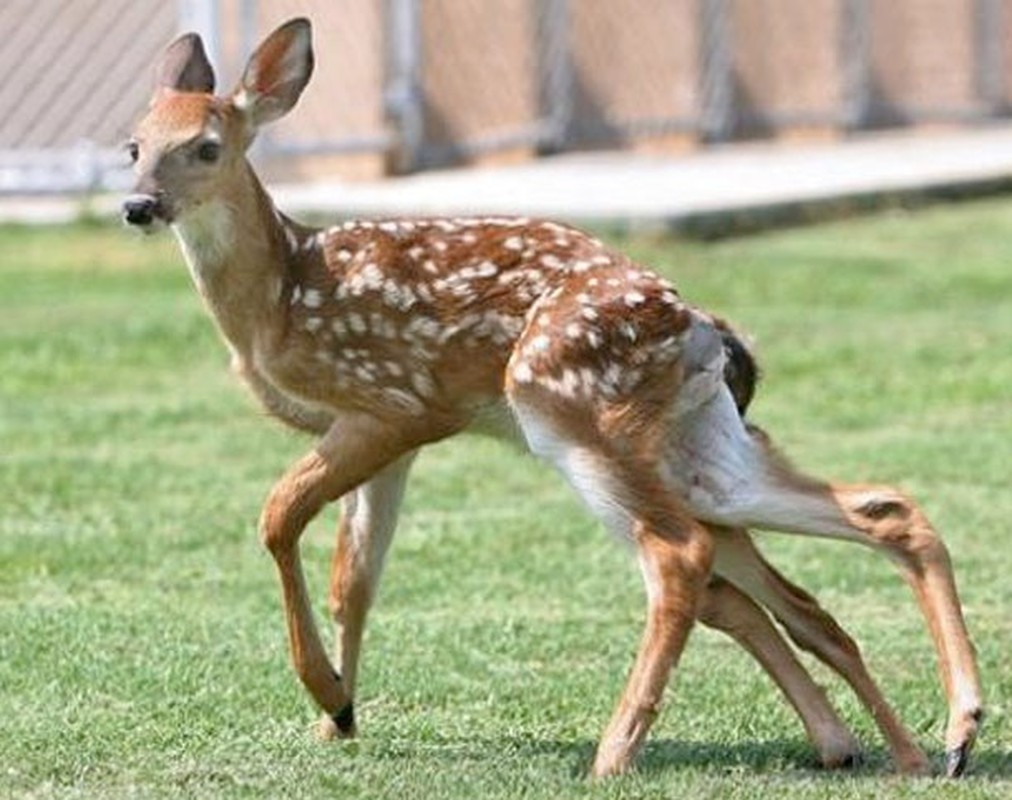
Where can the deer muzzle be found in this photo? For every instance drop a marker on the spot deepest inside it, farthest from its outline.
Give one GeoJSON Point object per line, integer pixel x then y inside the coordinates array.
{"type": "Point", "coordinates": [141, 210]}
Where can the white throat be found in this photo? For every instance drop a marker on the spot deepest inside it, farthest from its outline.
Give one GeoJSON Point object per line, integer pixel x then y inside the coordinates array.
{"type": "Point", "coordinates": [207, 237]}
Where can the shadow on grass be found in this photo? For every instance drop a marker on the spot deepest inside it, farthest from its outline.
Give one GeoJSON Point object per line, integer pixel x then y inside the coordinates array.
{"type": "Point", "coordinates": [788, 758]}
{"type": "Point", "coordinates": [785, 755]}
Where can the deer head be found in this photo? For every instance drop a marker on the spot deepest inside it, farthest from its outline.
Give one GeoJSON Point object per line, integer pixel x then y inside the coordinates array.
{"type": "Point", "coordinates": [191, 143]}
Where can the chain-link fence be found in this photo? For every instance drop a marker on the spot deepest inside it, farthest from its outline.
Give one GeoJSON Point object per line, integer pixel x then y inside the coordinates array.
{"type": "Point", "coordinates": [411, 84]}
{"type": "Point", "coordinates": [70, 83]}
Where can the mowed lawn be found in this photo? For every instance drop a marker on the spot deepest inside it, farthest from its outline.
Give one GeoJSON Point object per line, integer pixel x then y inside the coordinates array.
{"type": "Point", "coordinates": [142, 648]}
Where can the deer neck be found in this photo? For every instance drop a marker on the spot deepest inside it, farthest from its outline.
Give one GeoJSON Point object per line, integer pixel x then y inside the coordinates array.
{"type": "Point", "coordinates": [238, 249]}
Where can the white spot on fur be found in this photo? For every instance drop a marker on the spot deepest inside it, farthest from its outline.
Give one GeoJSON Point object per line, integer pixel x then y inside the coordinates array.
{"type": "Point", "coordinates": [422, 383]}
{"type": "Point", "coordinates": [540, 343]}
{"type": "Point", "coordinates": [357, 324]}
{"type": "Point", "coordinates": [486, 269]}
{"type": "Point", "coordinates": [372, 276]}
{"type": "Point", "coordinates": [522, 373]}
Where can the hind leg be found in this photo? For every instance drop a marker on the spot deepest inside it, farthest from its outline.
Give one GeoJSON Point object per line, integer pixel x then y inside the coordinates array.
{"type": "Point", "coordinates": [616, 478]}
{"type": "Point", "coordinates": [730, 476]}
{"type": "Point", "coordinates": [729, 610]}
{"type": "Point", "coordinates": [812, 628]}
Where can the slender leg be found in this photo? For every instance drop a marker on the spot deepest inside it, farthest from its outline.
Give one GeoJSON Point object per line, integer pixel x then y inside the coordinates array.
{"type": "Point", "coordinates": [887, 519]}
{"type": "Point", "coordinates": [727, 609]}
{"type": "Point", "coordinates": [612, 462]}
{"type": "Point", "coordinates": [366, 529]}
{"type": "Point", "coordinates": [730, 476]}
{"type": "Point", "coordinates": [884, 518]}
{"type": "Point", "coordinates": [675, 562]}
{"type": "Point", "coordinates": [355, 448]}
{"type": "Point", "coordinates": [813, 629]}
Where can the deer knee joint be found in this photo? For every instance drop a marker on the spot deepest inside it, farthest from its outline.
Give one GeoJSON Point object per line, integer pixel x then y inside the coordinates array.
{"type": "Point", "coordinates": [268, 537]}
{"type": "Point", "coordinates": [350, 594]}
{"type": "Point", "coordinates": [285, 514]}
{"type": "Point", "coordinates": [274, 528]}
{"type": "Point", "coordinates": [878, 508]}
{"type": "Point", "coordinates": [336, 607]}
{"type": "Point", "coordinates": [698, 557]}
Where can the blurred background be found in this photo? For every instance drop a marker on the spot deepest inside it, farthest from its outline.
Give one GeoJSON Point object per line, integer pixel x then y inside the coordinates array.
{"type": "Point", "coordinates": [410, 85]}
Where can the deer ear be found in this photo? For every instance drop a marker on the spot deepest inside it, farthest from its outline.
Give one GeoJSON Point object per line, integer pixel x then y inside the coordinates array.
{"type": "Point", "coordinates": [184, 66]}
{"type": "Point", "coordinates": [277, 72]}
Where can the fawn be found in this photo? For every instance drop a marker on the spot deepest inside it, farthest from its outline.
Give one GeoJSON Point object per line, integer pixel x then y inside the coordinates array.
{"type": "Point", "coordinates": [382, 336]}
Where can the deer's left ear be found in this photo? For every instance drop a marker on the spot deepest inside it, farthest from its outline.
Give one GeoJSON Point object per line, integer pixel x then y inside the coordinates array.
{"type": "Point", "coordinates": [276, 73]}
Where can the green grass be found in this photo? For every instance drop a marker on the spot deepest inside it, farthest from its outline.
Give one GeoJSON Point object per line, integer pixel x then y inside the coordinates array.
{"type": "Point", "coordinates": [142, 651]}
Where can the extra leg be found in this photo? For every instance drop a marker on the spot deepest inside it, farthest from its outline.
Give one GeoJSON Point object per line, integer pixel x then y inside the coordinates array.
{"type": "Point", "coordinates": [888, 520]}
{"type": "Point", "coordinates": [355, 448]}
{"type": "Point", "coordinates": [367, 525]}
{"type": "Point", "coordinates": [727, 609]}
{"type": "Point", "coordinates": [730, 477]}
{"type": "Point", "coordinates": [813, 629]}
{"type": "Point", "coordinates": [884, 518]}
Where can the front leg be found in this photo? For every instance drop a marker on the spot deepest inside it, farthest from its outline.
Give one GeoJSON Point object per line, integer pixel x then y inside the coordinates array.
{"type": "Point", "coordinates": [356, 447]}
{"type": "Point", "coordinates": [367, 526]}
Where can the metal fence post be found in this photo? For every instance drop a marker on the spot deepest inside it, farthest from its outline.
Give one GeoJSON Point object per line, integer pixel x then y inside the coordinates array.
{"type": "Point", "coordinates": [405, 104]}
{"type": "Point", "coordinates": [990, 54]}
{"type": "Point", "coordinates": [556, 74]}
{"type": "Point", "coordinates": [855, 62]}
{"type": "Point", "coordinates": [717, 111]}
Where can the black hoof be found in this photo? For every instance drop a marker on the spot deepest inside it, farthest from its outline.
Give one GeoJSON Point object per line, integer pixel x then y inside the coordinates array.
{"type": "Point", "coordinates": [344, 720]}
{"type": "Point", "coordinates": [956, 759]}
{"type": "Point", "coordinates": [850, 761]}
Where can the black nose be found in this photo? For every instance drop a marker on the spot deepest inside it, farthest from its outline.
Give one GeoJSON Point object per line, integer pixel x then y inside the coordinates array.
{"type": "Point", "coordinates": [139, 209]}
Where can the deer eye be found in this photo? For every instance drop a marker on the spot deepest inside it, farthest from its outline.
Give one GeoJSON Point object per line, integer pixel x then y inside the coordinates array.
{"type": "Point", "coordinates": [133, 151]}
{"type": "Point", "coordinates": [208, 152]}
